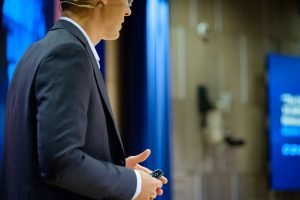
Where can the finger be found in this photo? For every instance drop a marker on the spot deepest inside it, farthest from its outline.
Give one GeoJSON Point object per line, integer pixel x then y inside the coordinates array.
{"type": "Point", "coordinates": [159, 184]}
{"type": "Point", "coordinates": [164, 180]}
{"type": "Point", "coordinates": [141, 157]}
{"type": "Point", "coordinates": [144, 169]}
{"type": "Point", "coordinates": [160, 191]}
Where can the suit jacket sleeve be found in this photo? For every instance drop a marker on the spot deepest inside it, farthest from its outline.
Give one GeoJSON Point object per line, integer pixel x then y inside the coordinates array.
{"type": "Point", "coordinates": [62, 87]}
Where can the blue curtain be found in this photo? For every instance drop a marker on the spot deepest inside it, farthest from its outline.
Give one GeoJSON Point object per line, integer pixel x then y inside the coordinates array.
{"type": "Point", "coordinates": [24, 24]}
{"type": "Point", "coordinates": [3, 77]}
{"type": "Point", "coordinates": [158, 87]}
{"type": "Point", "coordinates": [146, 85]}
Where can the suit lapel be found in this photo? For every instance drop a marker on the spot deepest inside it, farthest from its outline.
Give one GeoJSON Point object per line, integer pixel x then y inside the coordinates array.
{"type": "Point", "coordinates": [63, 24]}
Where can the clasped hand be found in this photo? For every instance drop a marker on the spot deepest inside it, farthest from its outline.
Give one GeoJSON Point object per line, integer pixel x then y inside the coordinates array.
{"type": "Point", "coordinates": [151, 187]}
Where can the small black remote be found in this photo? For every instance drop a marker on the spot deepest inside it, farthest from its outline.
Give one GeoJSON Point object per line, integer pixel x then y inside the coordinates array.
{"type": "Point", "coordinates": [157, 173]}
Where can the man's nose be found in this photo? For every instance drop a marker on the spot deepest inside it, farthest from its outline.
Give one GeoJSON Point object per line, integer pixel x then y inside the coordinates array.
{"type": "Point", "coordinates": [128, 12]}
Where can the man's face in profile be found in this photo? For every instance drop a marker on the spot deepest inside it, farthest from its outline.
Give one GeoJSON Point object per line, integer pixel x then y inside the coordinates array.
{"type": "Point", "coordinates": [112, 17]}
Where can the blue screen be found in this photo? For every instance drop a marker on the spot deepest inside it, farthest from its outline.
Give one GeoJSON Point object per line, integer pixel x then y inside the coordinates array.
{"type": "Point", "coordinates": [284, 121]}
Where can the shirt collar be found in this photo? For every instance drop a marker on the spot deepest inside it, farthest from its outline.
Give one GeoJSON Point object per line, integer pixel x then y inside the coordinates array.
{"type": "Point", "coordinates": [86, 36]}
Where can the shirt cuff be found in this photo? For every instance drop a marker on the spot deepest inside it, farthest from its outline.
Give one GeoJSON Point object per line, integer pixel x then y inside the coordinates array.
{"type": "Point", "coordinates": [138, 185]}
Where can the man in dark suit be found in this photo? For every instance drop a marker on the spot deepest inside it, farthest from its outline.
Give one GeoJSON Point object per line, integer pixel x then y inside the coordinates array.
{"type": "Point", "coordinates": [61, 139]}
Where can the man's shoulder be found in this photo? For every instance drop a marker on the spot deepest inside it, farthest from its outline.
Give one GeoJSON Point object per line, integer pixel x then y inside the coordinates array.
{"type": "Point", "coordinates": [60, 37]}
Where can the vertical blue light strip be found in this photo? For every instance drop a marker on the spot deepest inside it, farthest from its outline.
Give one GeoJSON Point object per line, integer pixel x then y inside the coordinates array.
{"type": "Point", "coordinates": [158, 88]}
{"type": "Point", "coordinates": [25, 24]}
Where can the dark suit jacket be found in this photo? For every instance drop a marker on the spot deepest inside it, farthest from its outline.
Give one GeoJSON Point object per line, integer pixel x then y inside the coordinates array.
{"type": "Point", "coordinates": [61, 139]}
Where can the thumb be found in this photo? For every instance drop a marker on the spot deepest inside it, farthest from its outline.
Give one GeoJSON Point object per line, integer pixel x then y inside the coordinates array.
{"type": "Point", "coordinates": [142, 156]}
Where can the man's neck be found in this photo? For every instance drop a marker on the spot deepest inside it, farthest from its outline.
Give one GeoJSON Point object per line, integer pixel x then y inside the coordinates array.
{"type": "Point", "coordinates": [86, 24]}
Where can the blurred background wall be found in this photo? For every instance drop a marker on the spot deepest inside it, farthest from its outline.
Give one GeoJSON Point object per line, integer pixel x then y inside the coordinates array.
{"type": "Point", "coordinates": [230, 61]}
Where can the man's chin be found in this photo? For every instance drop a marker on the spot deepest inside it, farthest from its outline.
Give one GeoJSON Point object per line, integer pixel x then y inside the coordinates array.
{"type": "Point", "coordinates": [113, 37]}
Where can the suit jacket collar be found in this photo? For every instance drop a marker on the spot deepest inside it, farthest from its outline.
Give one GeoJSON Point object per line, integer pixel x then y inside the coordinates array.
{"type": "Point", "coordinates": [92, 46]}
{"type": "Point", "coordinates": [63, 24]}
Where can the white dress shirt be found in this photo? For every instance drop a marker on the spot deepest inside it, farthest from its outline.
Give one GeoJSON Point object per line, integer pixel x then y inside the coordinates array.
{"type": "Point", "coordinates": [138, 176]}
